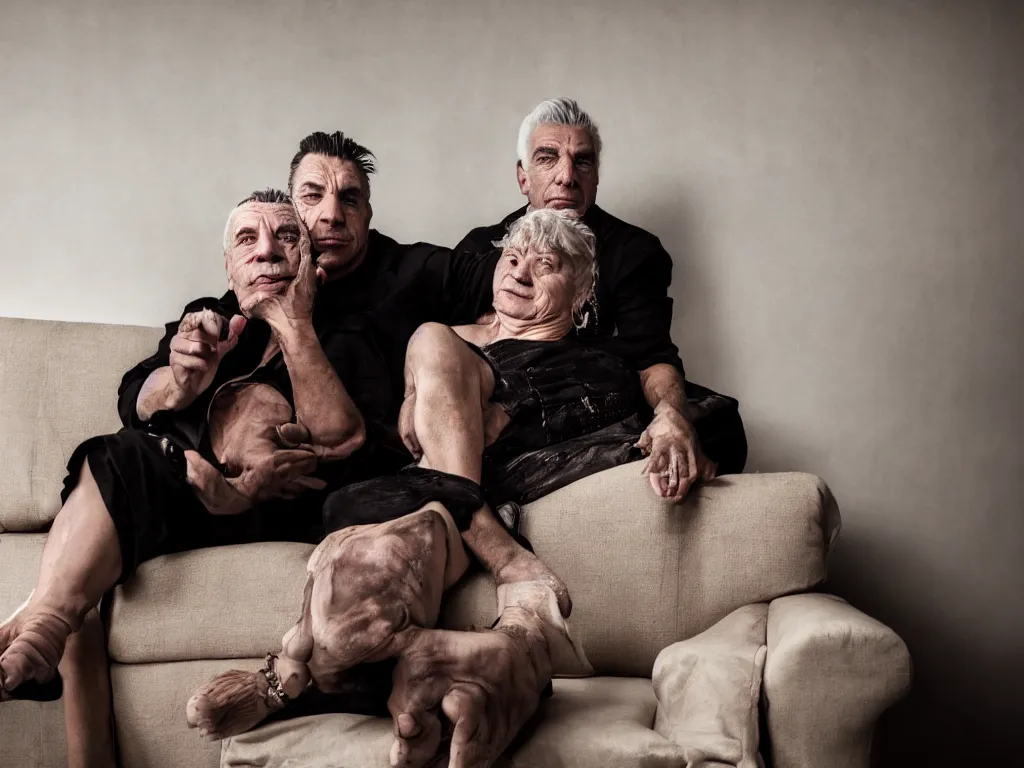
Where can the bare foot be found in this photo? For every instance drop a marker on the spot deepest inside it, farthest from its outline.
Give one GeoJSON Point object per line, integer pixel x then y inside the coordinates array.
{"type": "Point", "coordinates": [232, 703]}
{"type": "Point", "coordinates": [487, 684]}
{"type": "Point", "coordinates": [31, 645]}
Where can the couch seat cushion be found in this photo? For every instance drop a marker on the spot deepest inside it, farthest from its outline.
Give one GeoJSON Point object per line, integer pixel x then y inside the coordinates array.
{"type": "Point", "coordinates": [597, 721]}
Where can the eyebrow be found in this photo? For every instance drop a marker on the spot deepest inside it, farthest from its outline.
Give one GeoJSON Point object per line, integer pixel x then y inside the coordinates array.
{"type": "Point", "coordinates": [545, 151]}
{"type": "Point", "coordinates": [286, 229]}
{"type": "Point", "coordinates": [311, 186]}
{"type": "Point", "coordinates": [244, 231]}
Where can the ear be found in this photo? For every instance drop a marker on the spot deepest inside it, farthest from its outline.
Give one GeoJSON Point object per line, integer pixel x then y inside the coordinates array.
{"type": "Point", "coordinates": [369, 213]}
{"type": "Point", "coordinates": [522, 178]}
{"type": "Point", "coordinates": [231, 282]}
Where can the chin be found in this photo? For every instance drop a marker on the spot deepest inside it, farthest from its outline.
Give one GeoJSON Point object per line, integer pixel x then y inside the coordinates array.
{"type": "Point", "coordinates": [335, 262]}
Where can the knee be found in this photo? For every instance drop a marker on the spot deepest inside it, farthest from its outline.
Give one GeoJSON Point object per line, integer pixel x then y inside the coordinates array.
{"type": "Point", "coordinates": [434, 348]}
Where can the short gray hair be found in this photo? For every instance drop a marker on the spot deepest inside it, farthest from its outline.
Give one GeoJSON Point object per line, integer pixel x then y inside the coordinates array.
{"type": "Point", "coordinates": [550, 231]}
{"type": "Point", "coordinates": [560, 111]}
{"type": "Point", "coordinates": [268, 195]}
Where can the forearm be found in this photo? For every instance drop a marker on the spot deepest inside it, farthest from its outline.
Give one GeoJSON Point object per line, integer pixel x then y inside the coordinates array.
{"type": "Point", "coordinates": [160, 393]}
{"type": "Point", "coordinates": [216, 492]}
{"type": "Point", "coordinates": [322, 405]}
{"type": "Point", "coordinates": [664, 387]}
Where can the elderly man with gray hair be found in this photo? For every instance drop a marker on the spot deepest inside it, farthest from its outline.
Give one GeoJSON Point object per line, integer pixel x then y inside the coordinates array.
{"type": "Point", "coordinates": [694, 433]}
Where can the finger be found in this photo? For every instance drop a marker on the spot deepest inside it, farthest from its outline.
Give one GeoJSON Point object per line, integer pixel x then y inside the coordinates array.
{"type": "Point", "coordinates": [213, 324]}
{"type": "Point", "coordinates": [709, 471]}
{"type": "Point", "coordinates": [321, 276]}
{"type": "Point", "coordinates": [191, 363]}
{"type": "Point", "coordinates": [190, 322]}
{"type": "Point", "coordinates": [672, 484]}
{"type": "Point", "coordinates": [657, 483]}
{"type": "Point", "coordinates": [307, 483]}
{"type": "Point", "coordinates": [234, 329]}
{"type": "Point", "coordinates": [183, 345]}
{"type": "Point", "coordinates": [644, 443]}
{"type": "Point", "coordinates": [291, 435]}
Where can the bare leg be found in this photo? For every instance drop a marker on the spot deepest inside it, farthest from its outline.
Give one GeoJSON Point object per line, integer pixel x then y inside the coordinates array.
{"type": "Point", "coordinates": [87, 697]}
{"type": "Point", "coordinates": [237, 701]}
{"type": "Point", "coordinates": [444, 417]}
{"type": "Point", "coordinates": [81, 561]}
{"type": "Point", "coordinates": [366, 585]}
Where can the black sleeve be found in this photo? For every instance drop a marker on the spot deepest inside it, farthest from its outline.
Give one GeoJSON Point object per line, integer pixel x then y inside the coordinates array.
{"type": "Point", "coordinates": [131, 382]}
{"type": "Point", "coordinates": [468, 291]}
{"type": "Point", "coordinates": [643, 308]}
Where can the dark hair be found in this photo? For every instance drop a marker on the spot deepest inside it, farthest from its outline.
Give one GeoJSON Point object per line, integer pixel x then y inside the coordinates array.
{"type": "Point", "coordinates": [334, 145]}
{"type": "Point", "coordinates": [267, 195]}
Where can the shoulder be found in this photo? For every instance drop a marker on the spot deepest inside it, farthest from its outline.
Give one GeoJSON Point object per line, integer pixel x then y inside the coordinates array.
{"type": "Point", "coordinates": [611, 229]}
{"type": "Point", "coordinates": [482, 239]}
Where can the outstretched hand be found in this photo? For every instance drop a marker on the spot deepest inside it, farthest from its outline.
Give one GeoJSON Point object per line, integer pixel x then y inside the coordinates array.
{"type": "Point", "coordinates": [674, 458]}
{"type": "Point", "coordinates": [202, 341]}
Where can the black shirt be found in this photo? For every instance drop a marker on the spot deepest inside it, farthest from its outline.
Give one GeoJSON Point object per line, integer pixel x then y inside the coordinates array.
{"type": "Point", "coordinates": [633, 317]}
{"type": "Point", "coordinates": [363, 321]}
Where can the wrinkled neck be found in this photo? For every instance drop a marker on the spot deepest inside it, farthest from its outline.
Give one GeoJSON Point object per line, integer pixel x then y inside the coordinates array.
{"type": "Point", "coordinates": [545, 330]}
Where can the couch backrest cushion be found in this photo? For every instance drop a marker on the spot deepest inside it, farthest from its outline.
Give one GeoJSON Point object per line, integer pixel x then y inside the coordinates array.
{"type": "Point", "coordinates": [58, 386]}
{"type": "Point", "coordinates": [644, 573]}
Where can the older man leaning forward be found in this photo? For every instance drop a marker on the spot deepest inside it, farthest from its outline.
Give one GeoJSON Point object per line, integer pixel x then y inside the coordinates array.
{"type": "Point", "coordinates": [517, 382]}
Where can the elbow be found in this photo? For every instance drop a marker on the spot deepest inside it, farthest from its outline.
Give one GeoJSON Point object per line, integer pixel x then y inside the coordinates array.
{"type": "Point", "coordinates": [347, 442]}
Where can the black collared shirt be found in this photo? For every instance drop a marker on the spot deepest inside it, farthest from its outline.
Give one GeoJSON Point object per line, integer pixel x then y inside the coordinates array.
{"type": "Point", "coordinates": [633, 317]}
{"type": "Point", "coordinates": [363, 321]}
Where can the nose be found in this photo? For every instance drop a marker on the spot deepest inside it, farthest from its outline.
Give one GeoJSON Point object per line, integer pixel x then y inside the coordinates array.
{"type": "Point", "coordinates": [267, 247]}
{"type": "Point", "coordinates": [520, 272]}
{"type": "Point", "coordinates": [331, 211]}
{"type": "Point", "coordinates": [565, 172]}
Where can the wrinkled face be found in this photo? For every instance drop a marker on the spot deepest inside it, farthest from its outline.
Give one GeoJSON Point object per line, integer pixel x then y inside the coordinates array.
{"type": "Point", "coordinates": [333, 198]}
{"type": "Point", "coordinates": [533, 287]}
{"type": "Point", "coordinates": [265, 244]}
{"type": "Point", "coordinates": [563, 169]}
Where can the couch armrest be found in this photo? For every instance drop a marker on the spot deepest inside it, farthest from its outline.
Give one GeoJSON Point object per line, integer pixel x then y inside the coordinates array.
{"type": "Point", "coordinates": [708, 689]}
{"type": "Point", "coordinates": [830, 673]}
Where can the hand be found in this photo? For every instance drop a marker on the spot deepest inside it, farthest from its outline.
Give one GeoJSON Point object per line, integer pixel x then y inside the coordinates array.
{"type": "Point", "coordinates": [202, 340]}
{"type": "Point", "coordinates": [296, 303]}
{"type": "Point", "coordinates": [283, 473]}
{"type": "Point", "coordinates": [675, 461]}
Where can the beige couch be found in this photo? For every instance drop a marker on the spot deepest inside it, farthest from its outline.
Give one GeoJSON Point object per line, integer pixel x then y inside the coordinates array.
{"type": "Point", "coordinates": [644, 575]}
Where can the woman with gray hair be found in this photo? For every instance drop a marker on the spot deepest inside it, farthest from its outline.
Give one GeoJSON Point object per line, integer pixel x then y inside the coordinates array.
{"type": "Point", "coordinates": [481, 400]}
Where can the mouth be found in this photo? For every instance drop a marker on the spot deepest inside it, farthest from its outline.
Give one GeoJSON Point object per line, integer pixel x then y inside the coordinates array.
{"type": "Point", "coordinates": [517, 294]}
{"type": "Point", "coordinates": [264, 280]}
{"type": "Point", "coordinates": [331, 243]}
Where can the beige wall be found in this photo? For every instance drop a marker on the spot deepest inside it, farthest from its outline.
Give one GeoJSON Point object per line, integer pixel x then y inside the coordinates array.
{"type": "Point", "coordinates": [840, 184]}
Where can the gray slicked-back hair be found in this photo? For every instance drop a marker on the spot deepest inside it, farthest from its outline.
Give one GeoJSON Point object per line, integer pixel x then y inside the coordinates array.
{"type": "Point", "coordinates": [549, 231]}
{"type": "Point", "coordinates": [268, 195]}
{"type": "Point", "coordinates": [560, 111]}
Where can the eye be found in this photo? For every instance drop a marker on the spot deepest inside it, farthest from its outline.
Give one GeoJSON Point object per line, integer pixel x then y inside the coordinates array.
{"type": "Point", "coordinates": [312, 198]}
{"type": "Point", "coordinates": [584, 164]}
{"type": "Point", "coordinates": [289, 237]}
{"type": "Point", "coordinates": [246, 239]}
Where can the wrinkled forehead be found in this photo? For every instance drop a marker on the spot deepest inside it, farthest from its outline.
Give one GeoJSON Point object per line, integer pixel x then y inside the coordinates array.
{"type": "Point", "coordinates": [255, 215]}
{"type": "Point", "coordinates": [332, 173]}
{"type": "Point", "coordinates": [567, 137]}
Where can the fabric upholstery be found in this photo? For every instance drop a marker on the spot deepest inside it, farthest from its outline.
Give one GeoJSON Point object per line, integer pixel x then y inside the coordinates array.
{"type": "Point", "coordinates": [742, 539]}
{"type": "Point", "coordinates": [708, 688]}
{"type": "Point", "coordinates": [830, 673]}
{"type": "Point", "coordinates": [52, 399]}
{"type": "Point", "coordinates": [216, 603]}
{"type": "Point", "coordinates": [31, 734]}
{"type": "Point", "coordinates": [149, 712]}
{"type": "Point", "coordinates": [644, 573]}
{"type": "Point", "coordinates": [593, 722]}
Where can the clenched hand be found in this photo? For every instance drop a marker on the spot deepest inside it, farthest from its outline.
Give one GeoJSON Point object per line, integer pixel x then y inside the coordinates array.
{"type": "Point", "coordinates": [202, 340]}
{"type": "Point", "coordinates": [675, 461]}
